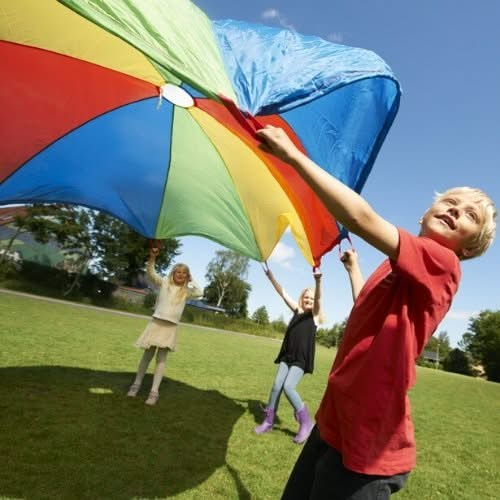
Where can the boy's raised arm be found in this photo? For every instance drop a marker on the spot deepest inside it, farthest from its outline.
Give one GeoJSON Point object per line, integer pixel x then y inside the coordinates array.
{"type": "Point", "coordinates": [348, 208]}
{"type": "Point", "coordinates": [317, 291]}
{"type": "Point", "coordinates": [350, 260]}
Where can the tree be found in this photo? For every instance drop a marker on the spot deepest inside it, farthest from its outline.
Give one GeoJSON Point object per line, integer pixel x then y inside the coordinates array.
{"type": "Point", "coordinates": [340, 329]}
{"type": "Point", "coordinates": [5, 253]}
{"type": "Point", "coordinates": [115, 251]}
{"type": "Point", "coordinates": [227, 288]}
{"type": "Point", "coordinates": [234, 301]}
{"type": "Point", "coordinates": [482, 342]}
{"type": "Point", "coordinates": [440, 344]}
{"type": "Point", "coordinates": [66, 224]}
{"type": "Point", "coordinates": [332, 336]}
{"type": "Point", "coordinates": [260, 316]}
{"type": "Point", "coordinates": [457, 361]}
{"type": "Point", "coordinates": [120, 252]}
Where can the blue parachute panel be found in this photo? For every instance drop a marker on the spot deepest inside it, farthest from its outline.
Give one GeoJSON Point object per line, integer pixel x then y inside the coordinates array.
{"type": "Point", "coordinates": [117, 163]}
{"type": "Point", "coordinates": [344, 130]}
{"type": "Point", "coordinates": [273, 70]}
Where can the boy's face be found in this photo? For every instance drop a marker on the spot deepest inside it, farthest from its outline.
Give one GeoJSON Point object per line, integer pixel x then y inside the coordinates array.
{"type": "Point", "coordinates": [453, 221]}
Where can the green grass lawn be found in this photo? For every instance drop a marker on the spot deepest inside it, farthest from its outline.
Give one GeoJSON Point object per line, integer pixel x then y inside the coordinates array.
{"type": "Point", "coordinates": [69, 432]}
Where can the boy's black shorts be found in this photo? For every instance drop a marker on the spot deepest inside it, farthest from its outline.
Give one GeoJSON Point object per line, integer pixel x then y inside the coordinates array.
{"type": "Point", "coordinates": [319, 474]}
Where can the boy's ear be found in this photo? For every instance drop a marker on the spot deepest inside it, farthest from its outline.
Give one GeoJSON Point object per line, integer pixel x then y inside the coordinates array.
{"type": "Point", "coordinates": [467, 252]}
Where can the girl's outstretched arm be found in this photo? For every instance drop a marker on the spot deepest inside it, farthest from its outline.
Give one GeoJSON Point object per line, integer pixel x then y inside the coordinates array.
{"type": "Point", "coordinates": [288, 300]}
{"type": "Point", "coordinates": [350, 260]}
{"type": "Point", "coordinates": [195, 290]}
{"type": "Point", "coordinates": [348, 208]}
{"type": "Point", "coordinates": [317, 291]}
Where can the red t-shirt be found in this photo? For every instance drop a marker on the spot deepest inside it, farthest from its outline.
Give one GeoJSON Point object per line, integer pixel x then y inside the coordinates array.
{"type": "Point", "coordinates": [365, 412]}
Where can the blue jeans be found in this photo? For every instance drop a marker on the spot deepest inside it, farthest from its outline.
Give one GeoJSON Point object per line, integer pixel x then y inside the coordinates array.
{"type": "Point", "coordinates": [319, 474]}
{"type": "Point", "coordinates": [286, 380]}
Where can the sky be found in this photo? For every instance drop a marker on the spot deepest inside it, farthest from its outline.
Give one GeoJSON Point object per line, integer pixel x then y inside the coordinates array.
{"type": "Point", "coordinates": [446, 56]}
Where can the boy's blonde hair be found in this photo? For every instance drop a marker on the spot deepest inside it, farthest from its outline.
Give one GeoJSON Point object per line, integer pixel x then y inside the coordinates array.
{"type": "Point", "coordinates": [321, 317]}
{"type": "Point", "coordinates": [182, 291]}
{"type": "Point", "coordinates": [488, 210]}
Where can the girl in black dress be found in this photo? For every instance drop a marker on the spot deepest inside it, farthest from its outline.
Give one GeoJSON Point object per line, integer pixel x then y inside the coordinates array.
{"type": "Point", "coordinates": [296, 355]}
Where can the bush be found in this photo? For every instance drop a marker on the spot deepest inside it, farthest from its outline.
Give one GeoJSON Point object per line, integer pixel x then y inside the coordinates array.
{"type": "Point", "coordinates": [127, 306]}
{"type": "Point", "coordinates": [457, 361]}
{"type": "Point", "coordinates": [279, 325]}
{"type": "Point", "coordinates": [101, 292]}
{"type": "Point", "coordinates": [222, 322]}
{"type": "Point", "coordinates": [150, 300]}
{"type": "Point", "coordinates": [9, 270]}
{"type": "Point", "coordinates": [326, 337]}
{"type": "Point", "coordinates": [49, 281]}
{"type": "Point", "coordinates": [426, 363]}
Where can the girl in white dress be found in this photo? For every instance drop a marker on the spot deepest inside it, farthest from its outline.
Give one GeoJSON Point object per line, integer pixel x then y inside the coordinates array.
{"type": "Point", "coordinates": [160, 334]}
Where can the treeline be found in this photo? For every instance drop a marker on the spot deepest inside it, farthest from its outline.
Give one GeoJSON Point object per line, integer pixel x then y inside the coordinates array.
{"type": "Point", "coordinates": [39, 279]}
{"type": "Point", "coordinates": [101, 252]}
{"type": "Point", "coordinates": [478, 353]}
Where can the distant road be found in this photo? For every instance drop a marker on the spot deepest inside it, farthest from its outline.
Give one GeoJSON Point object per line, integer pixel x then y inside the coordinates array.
{"type": "Point", "coordinates": [122, 313]}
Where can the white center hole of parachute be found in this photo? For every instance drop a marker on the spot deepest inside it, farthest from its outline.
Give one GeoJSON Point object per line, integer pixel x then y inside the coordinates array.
{"type": "Point", "coordinates": [176, 95]}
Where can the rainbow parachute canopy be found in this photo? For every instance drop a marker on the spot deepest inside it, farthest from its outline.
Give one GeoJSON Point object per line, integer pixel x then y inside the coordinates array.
{"type": "Point", "coordinates": [146, 109]}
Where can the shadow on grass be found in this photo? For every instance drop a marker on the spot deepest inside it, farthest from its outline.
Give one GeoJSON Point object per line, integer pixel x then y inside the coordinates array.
{"type": "Point", "coordinates": [71, 433]}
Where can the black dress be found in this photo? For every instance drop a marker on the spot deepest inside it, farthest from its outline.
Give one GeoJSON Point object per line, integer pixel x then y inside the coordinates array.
{"type": "Point", "coordinates": [298, 346]}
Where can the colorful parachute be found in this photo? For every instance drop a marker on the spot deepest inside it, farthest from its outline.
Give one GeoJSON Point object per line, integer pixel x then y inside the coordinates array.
{"type": "Point", "coordinates": [146, 109]}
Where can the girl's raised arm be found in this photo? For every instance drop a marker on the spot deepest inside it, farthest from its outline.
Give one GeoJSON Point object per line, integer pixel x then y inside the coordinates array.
{"type": "Point", "coordinates": [150, 268]}
{"type": "Point", "coordinates": [195, 290]}
{"type": "Point", "coordinates": [288, 300]}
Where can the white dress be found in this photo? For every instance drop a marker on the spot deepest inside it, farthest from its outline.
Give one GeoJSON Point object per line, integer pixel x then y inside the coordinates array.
{"type": "Point", "coordinates": [161, 331]}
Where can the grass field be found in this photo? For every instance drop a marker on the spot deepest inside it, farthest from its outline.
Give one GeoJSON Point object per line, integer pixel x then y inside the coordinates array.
{"type": "Point", "coordinates": [69, 432]}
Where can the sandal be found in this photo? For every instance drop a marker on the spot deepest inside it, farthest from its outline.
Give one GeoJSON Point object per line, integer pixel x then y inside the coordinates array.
{"type": "Point", "coordinates": [133, 390]}
{"type": "Point", "coordinates": [153, 398]}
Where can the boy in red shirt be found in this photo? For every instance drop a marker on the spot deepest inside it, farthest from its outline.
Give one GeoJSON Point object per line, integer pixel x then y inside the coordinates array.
{"type": "Point", "coordinates": [363, 445]}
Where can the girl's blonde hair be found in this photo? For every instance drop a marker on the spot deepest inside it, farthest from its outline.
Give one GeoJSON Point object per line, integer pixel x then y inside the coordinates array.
{"type": "Point", "coordinates": [321, 317]}
{"type": "Point", "coordinates": [488, 211]}
{"type": "Point", "coordinates": [182, 291]}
